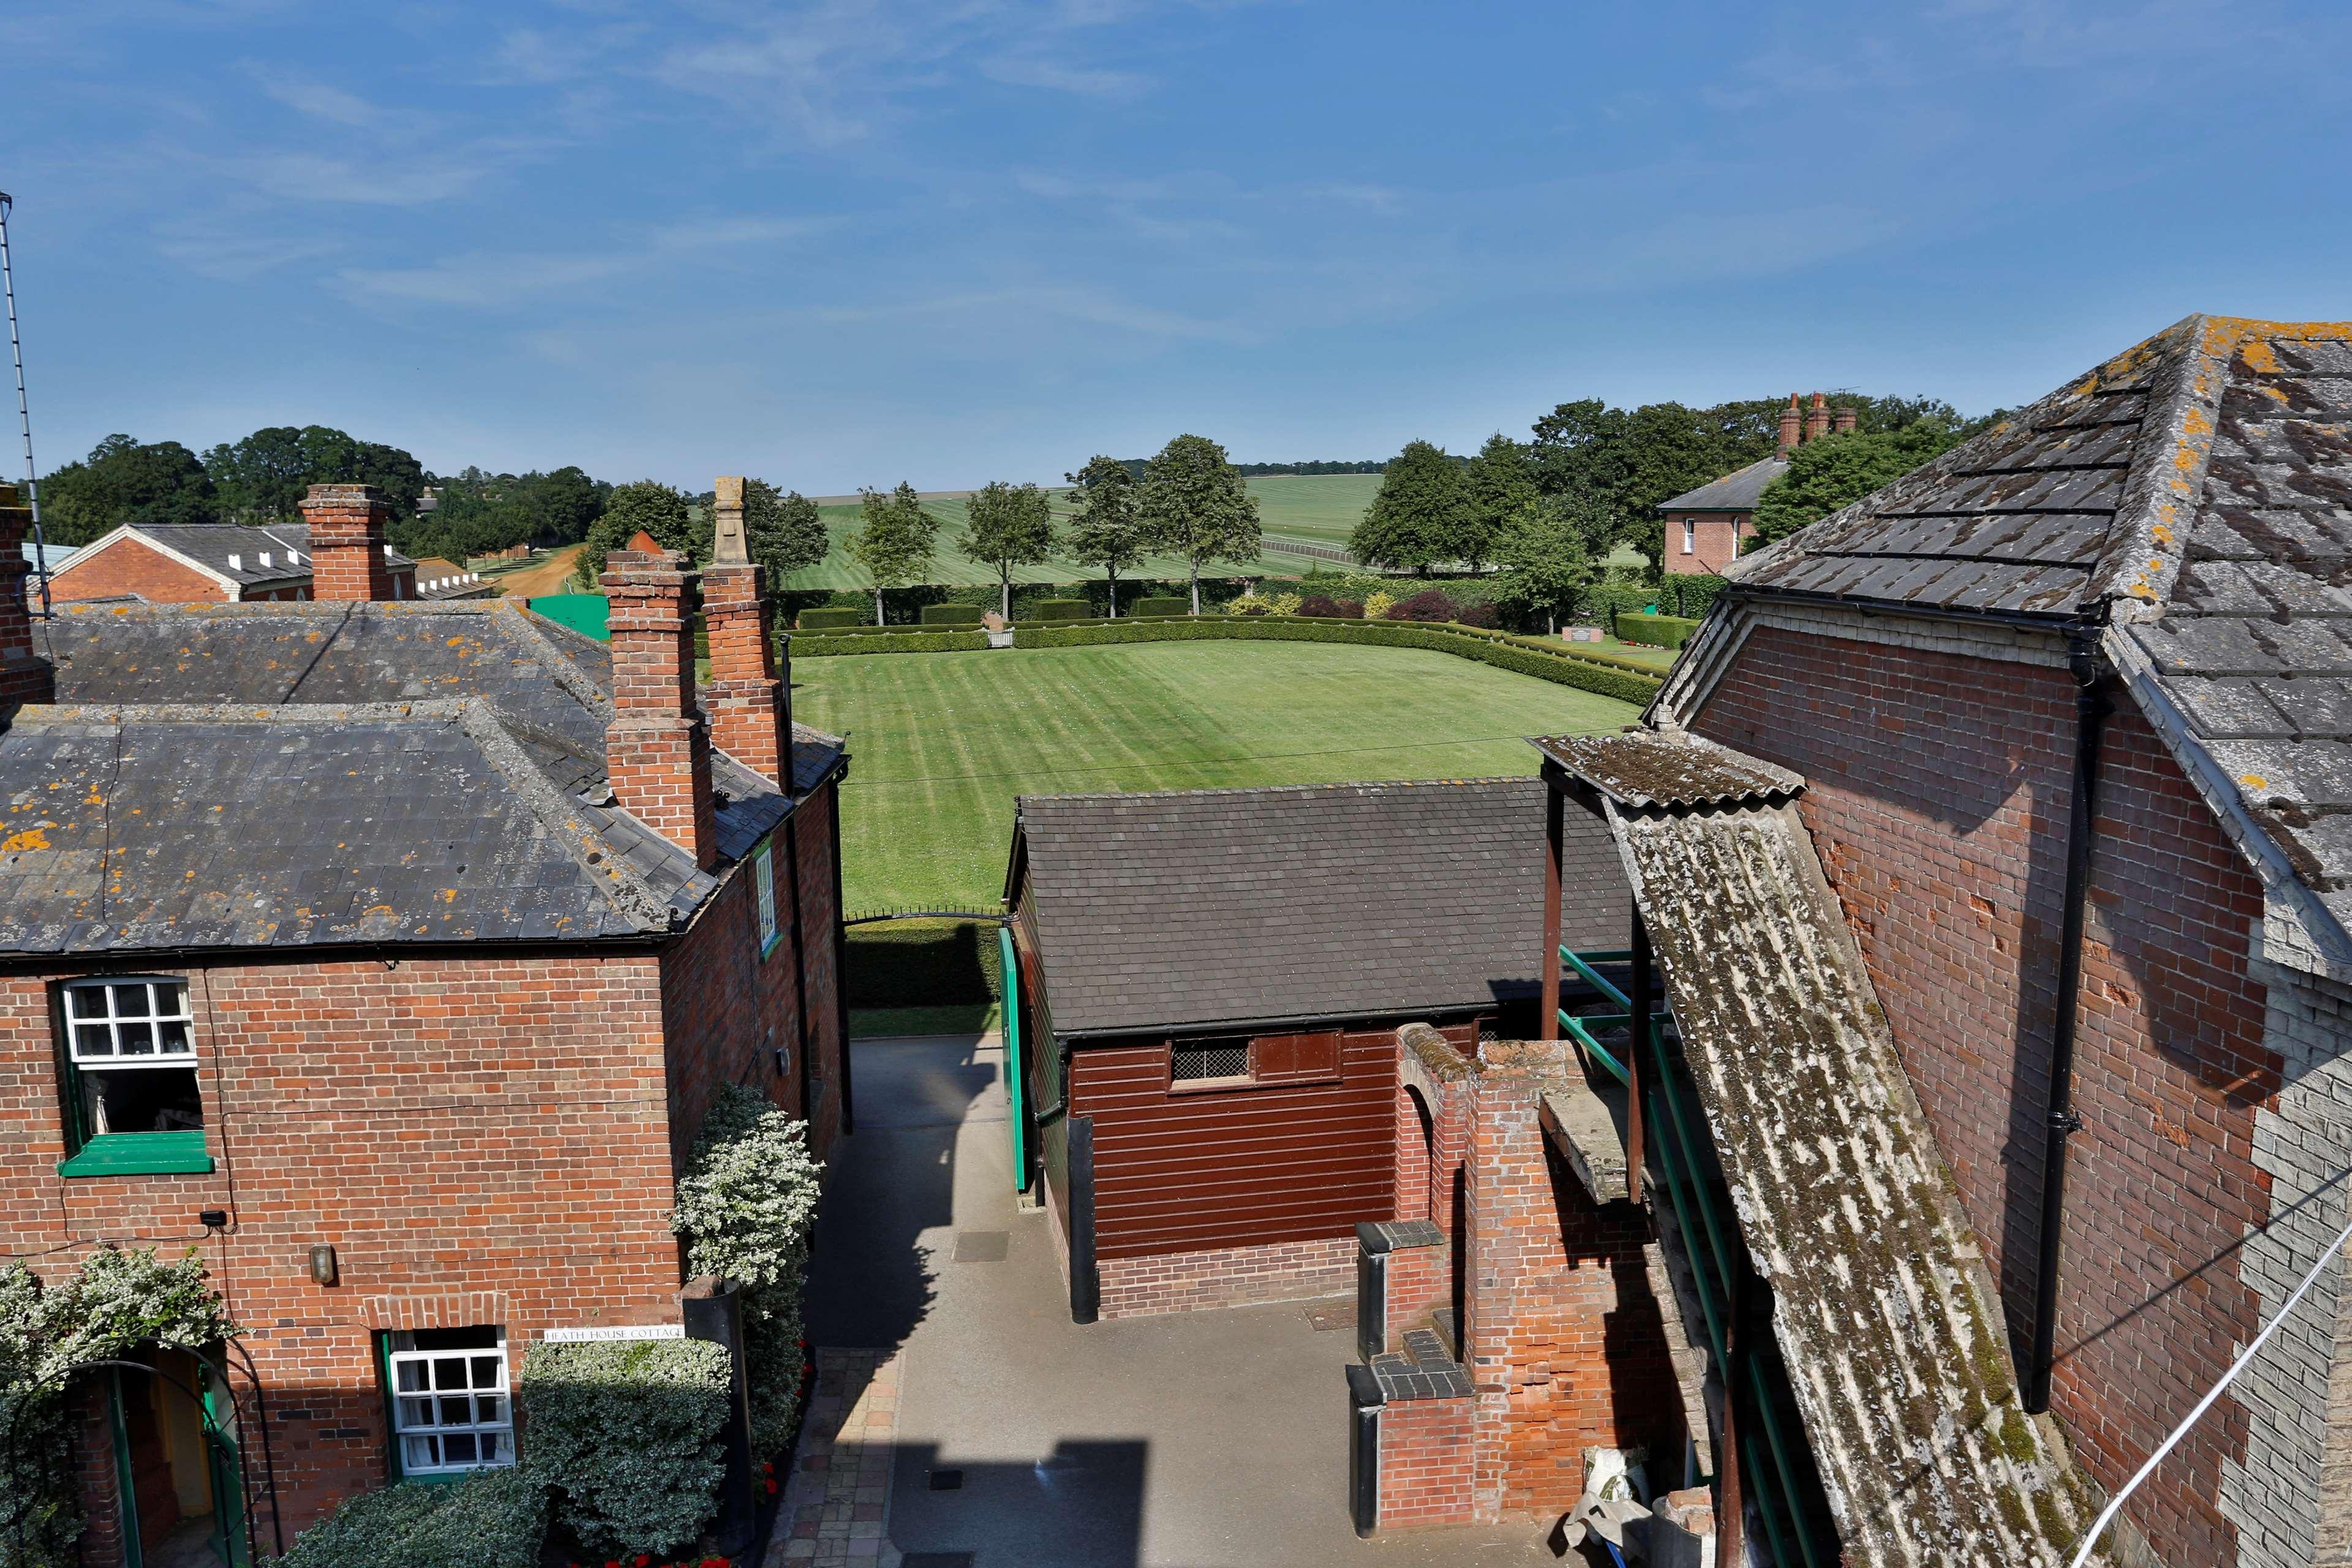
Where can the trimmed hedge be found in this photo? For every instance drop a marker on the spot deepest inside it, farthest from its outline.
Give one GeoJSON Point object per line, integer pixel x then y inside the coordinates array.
{"type": "Point", "coordinates": [952, 615]}
{"type": "Point", "coordinates": [922, 964]}
{"type": "Point", "coordinates": [627, 1434]}
{"type": "Point", "coordinates": [1057, 610]}
{"type": "Point", "coordinates": [1658, 631]}
{"type": "Point", "coordinates": [1605, 602]}
{"type": "Point", "coordinates": [823, 619]}
{"type": "Point", "coordinates": [1158, 607]}
{"type": "Point", "coordinates": [904, 640]}
{"type": "Point", "coordinates": [493, 1518]}
{"type": "Point", "coordinates": [1614, 677]}
{"type": "Point", "coordinates": [1690, 595]}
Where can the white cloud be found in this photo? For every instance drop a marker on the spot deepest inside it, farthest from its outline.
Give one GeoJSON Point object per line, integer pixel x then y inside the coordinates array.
{"type": "Point", "coordinates": [490, 280]}
{"type": "Point", "coordinates": [319, 98]}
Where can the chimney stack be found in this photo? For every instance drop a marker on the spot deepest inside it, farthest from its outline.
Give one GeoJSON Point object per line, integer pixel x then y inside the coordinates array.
{"type": "Point", "coordinates": [348, 557]}
{"type": "Point", "coordinates": [751, 707]}
{"type": "Point", "coordinates": [1789, 421]}
{"type": "Point", "coordinates": [24, 676]}
{"type": "Point", "coordinates": [1817, 418]}
{"type": "Point", "coordinates": [1841, 420]}
{"type": "Point", "coordinates": [658, 750]}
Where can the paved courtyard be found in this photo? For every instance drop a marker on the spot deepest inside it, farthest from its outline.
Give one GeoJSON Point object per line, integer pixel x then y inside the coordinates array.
{"type": "Point", "coordinates": [959, 1411]}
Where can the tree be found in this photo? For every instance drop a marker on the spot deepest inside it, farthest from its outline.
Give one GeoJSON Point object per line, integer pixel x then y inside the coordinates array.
{"type": "Point", "coordinates": [1496, 485]}
{"type": "Point", "coordinates": [1419, 517]}
{"type": "Point", "coordinates": [1191, 503]}
{"type": "Point", "coordinates": [782, 531]}
{"type": "Point", "coordinates": [1837, 470]}
{"type": "Point", "coordinates": [1010, 525]}
{"type": "Point", "coordinates": [125, 481]}
{"type": "Point", "coordinates": [1545, 561]}
{"type": "Point", "coordinates": [263, 477]}
{"type": "Point", "coordinates": [1105, 530]}
{"type": "Point", "coordinates": [894, 540]}
{"type": "Point", "coordinates": [647, 506]}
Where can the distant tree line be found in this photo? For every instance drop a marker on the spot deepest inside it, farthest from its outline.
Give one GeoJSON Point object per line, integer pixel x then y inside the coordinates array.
{"type": "Point", "coordinates": [1134, 468]}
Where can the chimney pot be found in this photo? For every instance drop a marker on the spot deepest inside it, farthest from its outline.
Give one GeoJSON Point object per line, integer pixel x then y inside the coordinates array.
{"type": "Point", "coordinates": [751, 707]}
{"type": "Point", "coordinates": [658, 749]}
{"type": "Point", "coordinates": [1789, 422]}
{"type": "Point", "coordinates": [348, 557]}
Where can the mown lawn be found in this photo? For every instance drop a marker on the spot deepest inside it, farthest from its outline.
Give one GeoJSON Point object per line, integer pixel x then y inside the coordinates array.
{"type": "Point", "coordinates": [943, 742]}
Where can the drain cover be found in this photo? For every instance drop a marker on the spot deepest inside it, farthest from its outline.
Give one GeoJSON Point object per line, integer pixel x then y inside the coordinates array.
{"type": "Point", "coordinates": [981, 1245]}
{"type": "Point", "coordinates": [945, 1480]}
{"type": "Point", "coordinates": [1324, 1316]}
{"type": "Point", "coordinates": [936, 1560]}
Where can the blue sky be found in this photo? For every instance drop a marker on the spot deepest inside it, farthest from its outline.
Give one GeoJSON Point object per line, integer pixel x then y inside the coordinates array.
{"type": "Point", "coordinates": [952, 240]}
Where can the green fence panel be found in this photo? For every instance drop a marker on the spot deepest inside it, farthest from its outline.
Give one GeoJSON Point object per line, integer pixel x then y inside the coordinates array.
{"type": "Point", "coordinates": [583, 612]}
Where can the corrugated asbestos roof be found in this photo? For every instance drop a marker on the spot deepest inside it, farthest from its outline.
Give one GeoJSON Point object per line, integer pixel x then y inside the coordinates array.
{"type": "Point", "coordinates": [290, 774]}
{"type": "Point", "coordinates": [1227, 907]}
{"type": "Point", "coordinates": [1643, 767]}
{"type": "Point", "coordinates": [2195, 491]}
{"type": "Point", "coordinates": [1881, 1311]}
{"type": "Point", "coordinates": [1735, 491]}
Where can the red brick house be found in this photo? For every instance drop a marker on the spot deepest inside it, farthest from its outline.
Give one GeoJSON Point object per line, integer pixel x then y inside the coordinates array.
{"type": "Point", "coordinates": [206, 563]}
{"type": "Point", "coordinates": [1989, 835]}
{"type": "Point", "coordinates": [1707, 528]}
{"type": "Point", "coordinates": [389, 953]}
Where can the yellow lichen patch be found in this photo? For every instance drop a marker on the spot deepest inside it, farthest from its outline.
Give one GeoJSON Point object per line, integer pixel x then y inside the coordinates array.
{"type": "Point", "coordinates": [2274, 394]}
{"type": "Point", "coordinates": [2163, 534]}
{"type": "Point", "coordinates": [2260, 357]}
{"type": "Point", "coordinates": [31, 839]}
{"type": "Point", "coordinates": [449, 896]}
{"type": "Point", "coordinates": [2253, 780]}
{"type": "Point", "coordinates": [2185, 458]}
{"type": "Point", "coordinates": [2194, 422]}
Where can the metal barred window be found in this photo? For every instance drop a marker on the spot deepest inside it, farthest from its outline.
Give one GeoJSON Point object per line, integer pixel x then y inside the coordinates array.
{"type": "Point", "coordinates": [451, 1409]}
{"type": "Point", "coordinates": [1204, 1061]}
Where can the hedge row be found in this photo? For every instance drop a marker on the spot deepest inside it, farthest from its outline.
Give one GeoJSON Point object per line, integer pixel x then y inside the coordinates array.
{"type": "Point", "coordinates": [1658, 631]}
{"type": "Point", "coordinates": [627, 1436]}
{"type": "Point", "coordinates": [817, 618]}
{"type": "Point", "coordinates": [903, 642]}
{"type": "Point", "coordinates": [1516, 654]}
{"type": "Point", "coordinates": [952, 615]}
{"type": "Point", "coordinates": [493, 1518]}
{"type": "Point", "coordinates": [922, 964]}
{"type": "Point", "coordinates": [1157, 605]}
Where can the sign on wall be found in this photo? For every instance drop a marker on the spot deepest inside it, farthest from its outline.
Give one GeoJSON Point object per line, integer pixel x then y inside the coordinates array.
{"type": "Point", "coordinates": [615, 1331]}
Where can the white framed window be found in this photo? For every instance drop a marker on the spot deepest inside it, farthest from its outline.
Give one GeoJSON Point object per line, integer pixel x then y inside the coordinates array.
{"type": "Point", "coordinates": [131, 1051]}
{"type": "Point", "coordinates": [763, 885]}
{"type": "Point", "coordinates": [1690, 535]}
{"type": "Point", "coordinates": [451, 1411]}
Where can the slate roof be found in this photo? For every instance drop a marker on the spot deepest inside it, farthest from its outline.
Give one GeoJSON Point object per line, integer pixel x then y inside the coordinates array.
{"type": "Point", "coordinates": [1881, 1311]}
{"type": "Point", "coordinates": [1735, 491]}
{"type": "Point", "coordinates": [1212, 908]}
{"type": "Point", "coordinates": [288, 545]}
{"type": "Point", "coordinates": [298, 774]}
{"type": "Point", "coordinates": [2193, 496]}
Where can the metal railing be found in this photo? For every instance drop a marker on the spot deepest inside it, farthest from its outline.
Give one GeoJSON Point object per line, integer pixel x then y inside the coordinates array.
{"type": "Point", "coordinates": [1715, 1269]}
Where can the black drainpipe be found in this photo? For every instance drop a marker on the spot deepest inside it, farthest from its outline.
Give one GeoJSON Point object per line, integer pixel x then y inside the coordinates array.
{"type": "Point", "coordinates": [2091, 711]}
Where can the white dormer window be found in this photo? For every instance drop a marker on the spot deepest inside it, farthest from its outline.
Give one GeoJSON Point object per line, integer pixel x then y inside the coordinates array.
{"type": "Point", "coordinates": [265, 558]}
{"type": "Point", "coordinates": [236, 561]}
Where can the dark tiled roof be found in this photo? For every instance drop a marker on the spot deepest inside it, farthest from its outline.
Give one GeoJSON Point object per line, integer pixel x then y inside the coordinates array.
{"type": "Point", "coordinates": [2195, 492]}
{"type": "Point", "coordinates": [334, 740]}
{"type": "Point", "coordinates": [1221, 906]}
{"type": "Point", "coordinates": [287, 544]}
{"type": "Point", "coordinates": [1880, 1306]}
{"type": "Point", "coordinates": [1735, 491]}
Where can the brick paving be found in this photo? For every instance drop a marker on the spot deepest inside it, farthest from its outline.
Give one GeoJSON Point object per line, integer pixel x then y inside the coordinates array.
{"type": "Point", "coordinates": [837, 1502]}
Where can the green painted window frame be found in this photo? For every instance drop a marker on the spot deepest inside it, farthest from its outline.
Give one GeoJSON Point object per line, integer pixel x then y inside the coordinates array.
{"type": "Point", "coordinates": [89, 1154]}
{"type": "Point", "coordinates": [763, 896]}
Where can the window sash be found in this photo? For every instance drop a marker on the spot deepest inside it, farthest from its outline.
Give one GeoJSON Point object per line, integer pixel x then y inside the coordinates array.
{"type": "Point", "coordinates": [763, 881]}
{"type": "Point", "coordinates": [452, 1411]}
{"type": "Point", "coordinates": [125, 1022]}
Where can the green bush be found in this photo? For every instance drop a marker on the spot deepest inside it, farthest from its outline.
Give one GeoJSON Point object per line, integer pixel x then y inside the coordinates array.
{"type": "Point", "coordinates": [1057, 610]}
{"type": "Point", "coordinates": [905, 641]}
{"type": "Point", "coordinates": [747, 1206]}
{"type": "Point", "coordinates": [1690, 595]}
{"type": "Point", "coordinates": [824, 619]}
{"type": "Point", "coordinates": [627, 1434]}
{"type": "Point", "coordinates": [1621, 679]}
{"type": "Point", "coordinates": [1158, 607]}
{"type": "Point", "coordinates": [1605, 602]}
{"type": "Point", "coordinates": [921, 964]}
{"type": "Point", "coordinates": [1658, 631]}
{"type": "Point", "coordinates": [952, 615]}
{"type": "Point", "coordinates": [494, 1519]}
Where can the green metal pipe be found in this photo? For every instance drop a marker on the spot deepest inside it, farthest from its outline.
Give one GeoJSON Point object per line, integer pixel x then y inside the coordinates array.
{"type": "Point", "coordinates": [1010, 963]}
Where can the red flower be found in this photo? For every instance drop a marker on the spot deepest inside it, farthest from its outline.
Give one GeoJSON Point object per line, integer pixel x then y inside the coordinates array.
{"type": "Point", "coordinates": [643, 1560]}
{"type": "Point", "coordinates": [771, 1488]}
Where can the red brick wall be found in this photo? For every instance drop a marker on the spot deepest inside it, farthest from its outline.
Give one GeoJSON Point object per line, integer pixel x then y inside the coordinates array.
{"type": "Point", "coordinates": [1937, 798]}
{"type": "Point", "coordinates": [1426, 1463]}
{"type": "Point", "coordinates": [449, 1126]}
{"type": "Point", "coordinates": [1226, 1276]}
{"type": "Point", "coordinates": [1716, 542]}
{"type": "Point", "coordinates": [129, 566]}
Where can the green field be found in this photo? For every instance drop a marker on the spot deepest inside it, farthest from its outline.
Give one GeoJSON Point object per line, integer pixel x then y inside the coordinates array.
{"type": "Point", "coordinates": [1316, 508]}
{"type": "Point", "coordinates": [943, 742]}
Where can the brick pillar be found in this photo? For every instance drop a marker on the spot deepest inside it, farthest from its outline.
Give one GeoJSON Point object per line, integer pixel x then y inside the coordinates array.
{"type": "Point", "coordinates": [750, 707]}
{"type": "Point", "coordinates": [1791, 421]}
{"type": "Point", "coordinates": [96, 1478]}
{"type": "Point", "coordinates": [658, 750]}
{"type": "Point", "coordinates": [348, 551]}
{"type": "Point", "coordinates": [1841, 420]}
{"type": "Point", "coordinates": [1817, 418]}
{"type": "Point", "coordinates": [25, 675]}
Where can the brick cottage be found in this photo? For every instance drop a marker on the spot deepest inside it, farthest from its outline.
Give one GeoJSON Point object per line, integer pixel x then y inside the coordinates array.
{"type": "Point", "coordinates": [1706, 529]}
{"type": "Point", "coordinates": [389, 954]}
{"type": "Point", "coordinates": [215, 563]}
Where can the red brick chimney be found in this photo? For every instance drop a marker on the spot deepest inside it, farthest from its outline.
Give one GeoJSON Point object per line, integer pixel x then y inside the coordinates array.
{"type": "Point", "coordinates": [25, 675]}
{"type": "Point", "coordinates": [348, 557]}
{"type": "Point", "coordinates": [1817, 418]}
{"type": "Point", "coordinates": [1841, 420]}
{"type": "Point", "coordinates": [1789, 420]}
{"type": "Point", "coordinates": [750, 709]}
{"type": "Point", "coordinates": [656, 749]}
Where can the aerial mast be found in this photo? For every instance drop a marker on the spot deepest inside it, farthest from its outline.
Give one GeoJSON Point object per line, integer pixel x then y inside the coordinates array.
{"type": "Point", "coordinates": [23, 409]}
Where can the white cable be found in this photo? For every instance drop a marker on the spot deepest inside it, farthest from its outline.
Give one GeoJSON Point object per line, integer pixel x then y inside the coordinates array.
{"type": "Point", "coordinates": [2083, 1553]}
